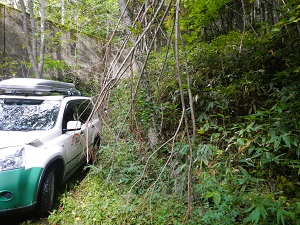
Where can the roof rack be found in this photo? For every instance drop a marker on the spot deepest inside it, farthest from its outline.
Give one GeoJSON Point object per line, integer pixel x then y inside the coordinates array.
{"type": "Point", "coordinates": [33, 85]}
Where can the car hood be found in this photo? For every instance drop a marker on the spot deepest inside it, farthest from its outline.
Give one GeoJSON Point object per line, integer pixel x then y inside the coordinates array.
{"type": "Point", "coordinates": [15, 138]}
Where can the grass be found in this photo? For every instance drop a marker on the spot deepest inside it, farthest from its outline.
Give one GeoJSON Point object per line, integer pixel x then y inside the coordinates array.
{"type": "Point", "coordinates": [91, 202]}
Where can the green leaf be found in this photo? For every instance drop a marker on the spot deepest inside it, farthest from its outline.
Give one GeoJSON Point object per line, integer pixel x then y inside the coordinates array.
{"type": "Point", "coordinates": [217, 198]}
{"type": "Point", "coordinates": [272, 134]}
{"type": "Point", "coordinates": [280, 217]}
{"type": "Point", "coordinates": [286, 140]}
{"type": "Point", "coordinates": [244, 172]}
{"type": "Point", "coordinates": [209, 195]}
{"type": "Point", "coordinates": [256, 214]}
{"type": "Point", "coordinates": [240, 141]}
{"type": "Point", "coordinates": [281, 214]}
{"type": "Point", "coordinates": [277, 142]}
{"type": "Point", "coordinates": [250, 126]}
{"type": "Point", "coordinates": [251, 149]}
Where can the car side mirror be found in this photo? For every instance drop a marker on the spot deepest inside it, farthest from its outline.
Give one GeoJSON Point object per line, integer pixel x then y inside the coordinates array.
{"type": "Point", "coordinates": [73, 126]}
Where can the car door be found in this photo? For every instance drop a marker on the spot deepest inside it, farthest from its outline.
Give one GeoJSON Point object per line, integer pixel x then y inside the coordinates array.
{"type": "Point", "coordinates": [89, 125]}
{"type": "Point", "coordinates": [85, 109]}
{"type": "Point", "coordinates": [74, 140]}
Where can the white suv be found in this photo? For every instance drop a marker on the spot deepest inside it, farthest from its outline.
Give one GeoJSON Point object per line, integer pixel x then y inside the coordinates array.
{"type": "Point", "coordinates": [47, 131]}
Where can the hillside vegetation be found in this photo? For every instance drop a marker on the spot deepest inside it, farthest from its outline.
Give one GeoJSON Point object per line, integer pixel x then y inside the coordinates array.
{"type": "Point", "coordinates": [207, 130]}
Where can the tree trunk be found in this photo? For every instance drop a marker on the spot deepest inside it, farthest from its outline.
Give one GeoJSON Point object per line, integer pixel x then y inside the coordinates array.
{"type": "Point", "coordinates": [36, 60]}
{"type": "Point", "coordinates": [183, 105]}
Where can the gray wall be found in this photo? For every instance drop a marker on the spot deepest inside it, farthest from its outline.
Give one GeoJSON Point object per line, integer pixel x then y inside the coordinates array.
{"type": "Point", "coordinates": [80, 52]}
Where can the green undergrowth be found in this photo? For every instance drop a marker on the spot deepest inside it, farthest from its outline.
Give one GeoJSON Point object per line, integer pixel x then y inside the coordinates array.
{"type": "Point", "coordinates": [138, 189]}
{"type": "Point", "coordinates": [125, 192]}
{"type": "Point", "coordinates": [245, 157]}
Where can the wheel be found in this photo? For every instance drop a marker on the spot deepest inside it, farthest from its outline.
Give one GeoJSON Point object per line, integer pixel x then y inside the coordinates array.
{"type": "Point", "coordinates": [46, 195]}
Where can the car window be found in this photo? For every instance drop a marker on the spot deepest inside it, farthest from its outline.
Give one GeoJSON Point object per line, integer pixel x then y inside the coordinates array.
{"type": "Point", "coordinates": [77, 110]}
{"type": "Point", "coordinates": [70, 113]}
{"type": "Point", "coordinates": [27, 114]}
{"type": "Point", "coordinates": [85, 110]}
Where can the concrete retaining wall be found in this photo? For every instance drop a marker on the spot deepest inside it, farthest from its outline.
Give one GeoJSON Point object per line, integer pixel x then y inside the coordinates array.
{"type": "Point", "coordinates": [81, 52]}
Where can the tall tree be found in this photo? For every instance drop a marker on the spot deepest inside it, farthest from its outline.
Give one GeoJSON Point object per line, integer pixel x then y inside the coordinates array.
{"type": "Point", "coordinates": [35, 44]}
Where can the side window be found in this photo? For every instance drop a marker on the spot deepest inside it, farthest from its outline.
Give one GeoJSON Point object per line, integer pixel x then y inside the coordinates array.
{"type": "Point", "coordinates": [71, 113]}
{"type": "Point", "coordinates": [84, 110]}
{"type": "Point", "coordinates": [77, 110]}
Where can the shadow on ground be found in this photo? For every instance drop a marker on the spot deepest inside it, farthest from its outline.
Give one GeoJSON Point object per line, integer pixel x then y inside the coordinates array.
{"type": "Point", "coordinates": [30, 218]}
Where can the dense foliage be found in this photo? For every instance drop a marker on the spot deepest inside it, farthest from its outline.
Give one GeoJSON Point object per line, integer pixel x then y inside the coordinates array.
{"type": "Point", "coordinates": [242, 167]}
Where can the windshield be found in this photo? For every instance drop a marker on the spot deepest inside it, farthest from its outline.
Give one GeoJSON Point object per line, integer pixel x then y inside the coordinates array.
{"type": "Point", "coordinates": [27, 114]}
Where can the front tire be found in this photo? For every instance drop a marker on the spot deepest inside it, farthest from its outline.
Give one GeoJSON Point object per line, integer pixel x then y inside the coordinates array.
{"type": "Point", "coordinates": [46, 195]}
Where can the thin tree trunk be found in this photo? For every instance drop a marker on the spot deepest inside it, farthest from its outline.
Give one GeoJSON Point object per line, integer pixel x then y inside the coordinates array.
{"type": "Point", "coordinates": [27, 37]}
{"type": "Point", "coordinates": [37, 63]}
{"type": "Point", "coordinates": [177, 34]}
{"type": "Point", "coordinates": [42, 39]}
{"type": "Point", "coordinates": [244, 26]}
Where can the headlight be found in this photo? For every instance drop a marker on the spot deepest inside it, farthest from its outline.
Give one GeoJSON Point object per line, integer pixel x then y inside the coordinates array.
{"type": "Point", "coordinates": [12, 158]}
